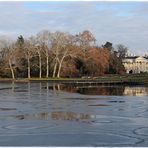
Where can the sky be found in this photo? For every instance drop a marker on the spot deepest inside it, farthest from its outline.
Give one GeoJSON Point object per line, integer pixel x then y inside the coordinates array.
{"type": "Point", "coordinates": [117, 22]}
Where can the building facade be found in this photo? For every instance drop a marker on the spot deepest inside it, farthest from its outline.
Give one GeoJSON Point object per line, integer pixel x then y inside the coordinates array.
{"type": "Point", "coordinates": [136, 64]}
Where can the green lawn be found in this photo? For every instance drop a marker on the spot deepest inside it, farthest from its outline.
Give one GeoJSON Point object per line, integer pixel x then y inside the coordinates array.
{"type": "Point", "coordinates": [139, 78]}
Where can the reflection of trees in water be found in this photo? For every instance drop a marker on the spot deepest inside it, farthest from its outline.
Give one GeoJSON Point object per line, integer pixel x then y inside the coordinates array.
{"type": "Point", "coordinates": [61, 87]}
{"type": "Point", "coordinates": [92, 90]}
{"type": "Point", "coordinates": [39, 116]}
{"type": "Point", "coordinates": [71, 116]}
{"type": "Point", "coordinates": [100, 89]}
{"type": "Point", "coordinates": [56, 88]}
{"type": "Point", "coordinates": [68, 88]}
{"type": "Point", "coordinates": [56, 115]}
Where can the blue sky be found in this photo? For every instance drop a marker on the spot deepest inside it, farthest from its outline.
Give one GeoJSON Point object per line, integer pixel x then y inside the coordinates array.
{"type": "Point", "coordinates": [117, 22]}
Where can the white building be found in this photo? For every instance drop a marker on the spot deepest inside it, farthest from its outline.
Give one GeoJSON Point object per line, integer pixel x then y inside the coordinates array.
{"type": "Point", "coordinates": [136, 64]}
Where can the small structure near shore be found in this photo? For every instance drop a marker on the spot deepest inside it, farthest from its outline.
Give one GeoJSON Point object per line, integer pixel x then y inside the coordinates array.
{"type": "Point", "coordinates": [136, 64]}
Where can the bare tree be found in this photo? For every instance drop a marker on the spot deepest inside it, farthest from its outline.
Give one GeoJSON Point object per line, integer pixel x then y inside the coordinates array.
{"type": "Point", "coordinates": [61, 48]}
{"type": "Point", "coordinates": [85, 40]}
{"type": "Point", "coordinates": [122, 51]}
{"type": "Point", "coordinates": [10, 60]}
{"type": "Point", "coordinates": [44, 39]}
{"type": "Point", "coordinates": [37, 51]}
{"type": "Point", "coordinates": [8, 55]}
{"type": "Point", "coordinates": [29, 54]}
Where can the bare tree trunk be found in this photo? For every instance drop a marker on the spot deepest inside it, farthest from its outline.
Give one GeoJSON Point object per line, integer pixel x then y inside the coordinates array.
{"type": "Point", "coordinates": [47, 68]}
{"type": "Point", "coordinates": [54, 70]}
{"type": "Point", "coordinates": [11, 68]}
{"type": "Point", "coordinates": [28, 60]}
{"type": "Point", "coordinates": [59, 70]}
{"type": "Point", "coordinates": [40, 66]}
{"type": "Point", "coordinates": [60, 66]}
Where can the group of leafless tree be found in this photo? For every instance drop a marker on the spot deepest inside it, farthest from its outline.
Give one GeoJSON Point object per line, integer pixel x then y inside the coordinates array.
{"type": "Point", "coordinates": [58, 54]}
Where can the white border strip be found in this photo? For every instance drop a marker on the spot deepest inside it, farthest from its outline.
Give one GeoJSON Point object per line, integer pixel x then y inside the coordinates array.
{"type": "Point", "coordinates": [75, 0]}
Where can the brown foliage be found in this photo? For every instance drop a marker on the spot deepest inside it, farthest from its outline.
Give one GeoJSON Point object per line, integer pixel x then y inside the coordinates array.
{"type": "Point", "coordinates": [97, 60]}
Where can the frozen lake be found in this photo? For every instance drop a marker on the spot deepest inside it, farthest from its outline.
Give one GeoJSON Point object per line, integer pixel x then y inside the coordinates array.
{"type": "Point", "coordinates": [42, 114]}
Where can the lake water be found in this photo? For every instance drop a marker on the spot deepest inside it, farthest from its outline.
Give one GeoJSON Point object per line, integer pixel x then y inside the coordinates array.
{"type": "Point", "coordinates": [42, 114]}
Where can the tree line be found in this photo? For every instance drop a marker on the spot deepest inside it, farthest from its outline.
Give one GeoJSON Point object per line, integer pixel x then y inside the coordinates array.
{"type": "Point", "coordinates": [59, 54]}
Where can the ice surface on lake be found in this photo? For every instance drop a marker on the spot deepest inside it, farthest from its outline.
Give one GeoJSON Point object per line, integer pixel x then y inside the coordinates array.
{"type": "Point", "coordinates": [42, 114]}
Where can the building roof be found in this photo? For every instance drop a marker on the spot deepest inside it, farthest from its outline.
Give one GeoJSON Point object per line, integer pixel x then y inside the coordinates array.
{"type": "Point", "coordinates": [135, 58]}
{"type": "Point", "coordinates": [131, 57]}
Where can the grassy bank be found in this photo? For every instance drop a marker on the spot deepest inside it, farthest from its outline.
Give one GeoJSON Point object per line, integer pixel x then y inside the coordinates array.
{"type": "Point", "coordinates": [128, 78]}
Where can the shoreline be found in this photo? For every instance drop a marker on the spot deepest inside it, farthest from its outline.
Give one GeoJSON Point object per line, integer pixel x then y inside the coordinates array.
{"type": "Point", "coordinates": [141, 79]}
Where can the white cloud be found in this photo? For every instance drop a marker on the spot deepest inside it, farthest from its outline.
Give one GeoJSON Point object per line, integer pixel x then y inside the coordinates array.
{"type": "Point", "coordinates": [109, 21]}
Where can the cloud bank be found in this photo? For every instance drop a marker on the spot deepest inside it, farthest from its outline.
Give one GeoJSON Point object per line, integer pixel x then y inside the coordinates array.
{"type": "Point", "coordinates": [117, 22]}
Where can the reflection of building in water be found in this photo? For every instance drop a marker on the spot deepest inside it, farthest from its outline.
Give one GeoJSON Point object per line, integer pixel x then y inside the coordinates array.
{"type": "Point", "coordinates": [135, 64]}
{"type": "Point", "coordinates": [136, 91]}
